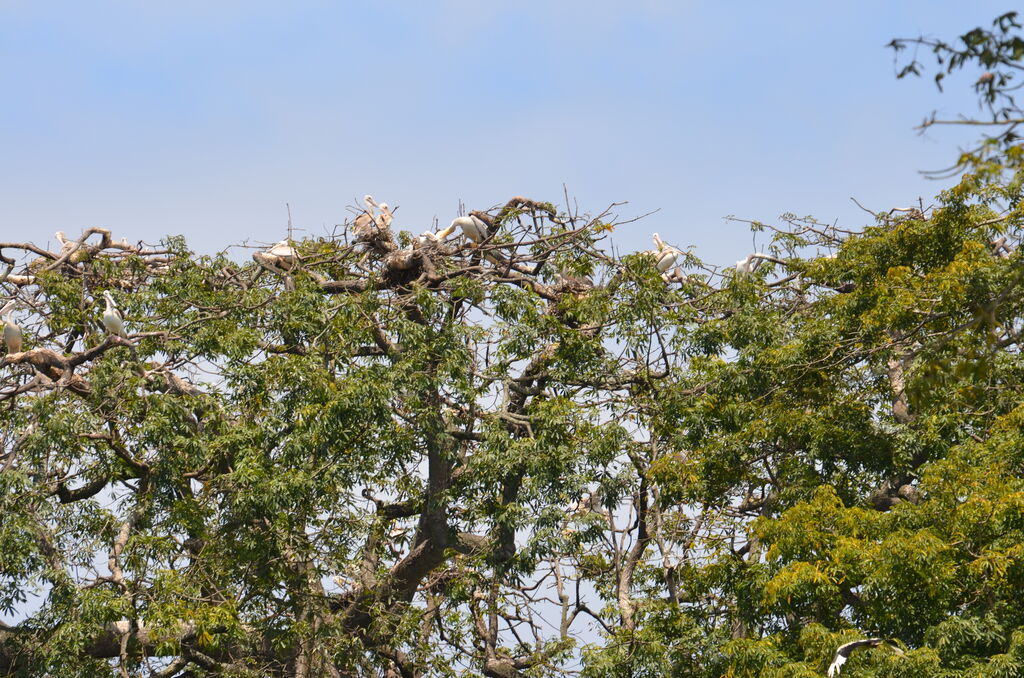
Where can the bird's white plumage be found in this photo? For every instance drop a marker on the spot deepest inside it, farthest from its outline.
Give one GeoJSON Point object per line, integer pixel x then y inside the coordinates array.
{"type": "Point", "coordinates": [834, 668]}
{"type": "Point", "coordinates": [113, 321]}
{"type": "Point", "coordinates": [284, 252]}
{"type": "Point", "coordinates": [667, 258]}
{"type": "Point", "coordinates": [472, 227]}
{"type": "Point", "coordinates": [665, 255]}
{"type": "Point", "coordinates": [12, 331]}
{"type": "Point", "coordinates": [365, 223]}
{"type": "Point", "coordinates": [385, 218]}
{"type": "Point", "coordinates": [750, 264]}
{"type": "Point", "coordinates": [430, 238]}
{"type": "Point", "coordinates": [12, 336]}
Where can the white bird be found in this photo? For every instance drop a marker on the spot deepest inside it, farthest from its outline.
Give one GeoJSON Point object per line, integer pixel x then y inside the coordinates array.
{"type": "Point", "coordinates": [430, 238]}
{"type": "Point", "coordinates": [666, 255]}
{"type": "Point", "coordinates": [12, 332]}
{"type": "Point", "coordinates": [284, 252]}
{"type": "Point", "coordinates": [113, 320]}
{"type": "Point", "coordinates": [385, 218]}
{"type": "Point", "coordinates": [843, 653]}
{"type": "Point", "coordinates": [363, 224]}
{"type": "Point", "coordinates": [750, 264]}
{"type": "Point", "coordinates": [472, 227]}
{"type": "Point", "coordinates": [667, 258]}
{"type": "Point", "coordinates": [66, 246]}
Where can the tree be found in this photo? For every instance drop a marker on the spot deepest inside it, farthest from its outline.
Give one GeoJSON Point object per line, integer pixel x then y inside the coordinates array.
{"type": "Point", "coordinates": [998, 54]}
{"type": "Point", "coordinates": [373, 454]}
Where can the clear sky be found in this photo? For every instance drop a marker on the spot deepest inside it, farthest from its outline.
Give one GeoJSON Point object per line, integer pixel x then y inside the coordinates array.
{"type": "Point", "coordinates": [205, 117]}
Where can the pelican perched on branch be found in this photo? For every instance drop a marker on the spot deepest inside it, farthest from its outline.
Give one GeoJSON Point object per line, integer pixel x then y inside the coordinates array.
{"type": "Point", "coordinates": [472, 227]}
{"type": "Point", "coordinates": [385, 218]}
{"type": "Point", "coordinates": [843, 652]}
{"type": "Point", "coordinates": [666, 255]}
{"type": "Point", "coordinates": [751, 263]}
{"type": "Point", "coordinates": [113, 320]}
{"type": "Point", "coordinates": [65, 244]}
{"type": "Point", "coordinates": [428, 238]}
{"type": "Point", "coordinates": [12, 331]}
{"type": "Point", "coordinates": [363, 224]}
{"type": "Point", "coordinates": [284, 252]}
{"type": "Point", "coordinates": [70, 248]}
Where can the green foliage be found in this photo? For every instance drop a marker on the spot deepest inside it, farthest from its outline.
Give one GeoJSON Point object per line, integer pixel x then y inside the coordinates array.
{"type": "Point", "coordinates": [444, 459]}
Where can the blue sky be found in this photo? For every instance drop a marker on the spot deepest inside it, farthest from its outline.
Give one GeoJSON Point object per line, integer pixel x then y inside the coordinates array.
{"type": "Point", "coordinates": [205, 118]}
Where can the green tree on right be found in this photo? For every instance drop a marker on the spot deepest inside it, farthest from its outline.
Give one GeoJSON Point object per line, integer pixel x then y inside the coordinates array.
{"type": "Point", "coordinates": [878, 423]}
{"type": "Point", "coordinates": [868, 430]}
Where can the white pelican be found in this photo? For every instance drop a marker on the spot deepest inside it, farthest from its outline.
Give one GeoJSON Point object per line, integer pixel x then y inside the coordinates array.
{"type": "Point", "coordinates": [113, 320]}
{"type": "Point", "coordinates": [750, 264]}
{"type": "Point", "coordinates": [666, 255]}
{"type": "Point", "coordinates": [362, 225]}
{"type": "Point", "coordinates": [385, 218]}
{"type": "Point", "coordinates": [429, 238]}
{"type": "Point", "coordinates": [284, 252]}
{"type": "Point", "coordinates": [844, 652]}
{"type": "Point", "coordinates": [67, 245]}
{"type": "Point", "coordinates": [12, 332]}
{"type": "Point", "coordinates": [472, 227]}
{"type": "Point", "coordinates": [667, 258]}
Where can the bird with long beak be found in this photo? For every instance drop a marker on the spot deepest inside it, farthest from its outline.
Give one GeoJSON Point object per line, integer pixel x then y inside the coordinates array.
{"type": "Point", "coordinates": [363, 224]}
{"type": "Point", "coordinates": [472, 227]}
{"type": "Point", "coordinates": [385, 218]}
{"type": "Point", "coordinates": [12, 331]}
{"type": "Point", "coordinates": [429, 238]}
{"type": "Point", "coordinates": [113, 320]}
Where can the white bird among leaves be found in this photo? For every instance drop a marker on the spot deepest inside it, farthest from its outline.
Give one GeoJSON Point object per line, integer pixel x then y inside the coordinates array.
{"type": "Point", "coordinates": [428, 238]}
{"type": "Point", "coordinates": [666, 255]}
{"type": "Point", "coordinates": [843, 653]}
{"type": "Point", "coordinates": [284, 252]}
{"type": "Point", "coordinates": [750, 264]}
{"type": "Point", "coordinates": [472, 227]}
{"type": "Point", "coordinates": [113, 320]}
{"type": "Point", "coordinates": [12, 331]}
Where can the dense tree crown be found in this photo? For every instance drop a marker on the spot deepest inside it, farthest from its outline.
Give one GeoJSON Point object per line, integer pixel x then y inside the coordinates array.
{"type": "Point", "coordinates": [503, 450]}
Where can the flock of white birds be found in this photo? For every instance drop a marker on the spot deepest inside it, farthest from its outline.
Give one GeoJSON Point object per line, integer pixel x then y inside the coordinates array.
{"type": "Point", "coordinates": [476, 231]}
{"type": "Point", "coordinates": [376, 218]}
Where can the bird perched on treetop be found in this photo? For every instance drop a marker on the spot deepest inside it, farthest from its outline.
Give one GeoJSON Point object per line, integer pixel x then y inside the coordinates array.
{"type": "Point", "coordinates": [472, 227]}
{"type": "Point", "coordinates": [430, 238]}
{"type": "Point", "coordinates": [750, 264]}
{"type": "Point", "coordinates": [284, 252]}
{"type": "Point", "coordinates": [666, 255]}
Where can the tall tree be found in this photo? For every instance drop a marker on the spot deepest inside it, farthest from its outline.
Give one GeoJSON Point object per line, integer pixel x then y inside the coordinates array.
{"type": "Point", "coordinates": [374, 454]}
